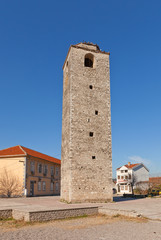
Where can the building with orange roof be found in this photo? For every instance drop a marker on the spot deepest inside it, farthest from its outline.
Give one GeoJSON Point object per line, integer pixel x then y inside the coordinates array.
{"type": "Point", "coordinates": [38, 172]}
{"type": "Point", "coordinates": [155, 181]}
{"type": "Point", "coordinates": [131, 176]}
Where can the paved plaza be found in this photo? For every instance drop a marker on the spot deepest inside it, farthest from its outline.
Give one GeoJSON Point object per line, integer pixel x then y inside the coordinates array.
{"type": "Point", "coordinates": [98, 227]}
{"type": "Point", "coordinates": [41, 203]}
{"type": "Point", "coordinates": [147, 207]}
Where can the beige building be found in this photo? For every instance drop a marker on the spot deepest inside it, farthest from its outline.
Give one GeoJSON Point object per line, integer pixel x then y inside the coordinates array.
{"type": "Point", "coordinates": [86, 126]}
{"type": "Point", "coordinates": [38, 173]}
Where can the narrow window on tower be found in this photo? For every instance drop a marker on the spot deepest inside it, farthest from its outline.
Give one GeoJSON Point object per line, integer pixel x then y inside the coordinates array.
{"type": "Point", "coordinates": [88, 60]}
{"type": "Point", "coordinates": [93, 157]}
{"type": "Point", "coordinates": [91, 134]}
{"type": "Point", "coordinates": [96, 112]}
{"type": "Point", "coordinates": [90, 86]}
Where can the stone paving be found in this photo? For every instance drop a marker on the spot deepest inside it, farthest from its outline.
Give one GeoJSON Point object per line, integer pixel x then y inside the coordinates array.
{"type": "Point", "coordinates": [44, 208]}
{"type": "Point", "coordinates": [147, 207]}
{"type": "Point", "coordinates": [41, 203]}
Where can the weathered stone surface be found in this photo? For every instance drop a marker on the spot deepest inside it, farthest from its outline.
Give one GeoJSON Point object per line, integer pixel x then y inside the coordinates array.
{"type": "Point", "coordinates": [48, 215]}
{"type": "Point", "coordinates": [113, 212]}
{"type": "Point", "coordinates": [19, 214]}
{"type": "Point", "coordinates": [86, 161]}
{"type": "Point", "coordinates": [6, 213]}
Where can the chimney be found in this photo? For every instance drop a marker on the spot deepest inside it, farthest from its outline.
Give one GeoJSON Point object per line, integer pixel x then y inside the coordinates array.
{"type": "Point", "coordinates": [129, 163]}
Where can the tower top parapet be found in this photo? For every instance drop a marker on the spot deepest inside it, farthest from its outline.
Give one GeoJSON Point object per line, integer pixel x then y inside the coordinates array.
{"type": "Point", "coordinates": [88, 46]}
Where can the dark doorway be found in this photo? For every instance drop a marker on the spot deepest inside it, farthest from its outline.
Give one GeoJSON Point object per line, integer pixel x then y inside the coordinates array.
{"type": "Point", "coordinates": [31, 188]}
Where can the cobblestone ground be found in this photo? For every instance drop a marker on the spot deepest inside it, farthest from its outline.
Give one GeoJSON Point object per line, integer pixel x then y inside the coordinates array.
{"type": "Point", "coordinates": [90, 228]}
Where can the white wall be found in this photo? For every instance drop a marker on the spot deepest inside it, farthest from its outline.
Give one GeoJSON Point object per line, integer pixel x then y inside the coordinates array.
{"type": "Point", "coordinates": [141, 174]}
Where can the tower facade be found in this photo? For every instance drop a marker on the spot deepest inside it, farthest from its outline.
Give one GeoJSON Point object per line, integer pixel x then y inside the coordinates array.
{"type": "Point", "coordinates": [86, 166]}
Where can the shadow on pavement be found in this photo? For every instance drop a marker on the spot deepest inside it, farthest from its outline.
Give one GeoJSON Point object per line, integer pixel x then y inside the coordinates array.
{"type": "Point", "coordinates": [123, 199]}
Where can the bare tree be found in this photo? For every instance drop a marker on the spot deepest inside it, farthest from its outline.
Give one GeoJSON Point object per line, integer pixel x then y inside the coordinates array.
{"type": "Point", "coordinates": [10, 185]}
{"type": "Point", "coordinates": [133, 183]}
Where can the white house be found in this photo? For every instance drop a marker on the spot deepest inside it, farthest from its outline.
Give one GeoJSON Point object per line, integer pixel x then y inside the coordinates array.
{"type": "Point", "coordinates": [131, 175]}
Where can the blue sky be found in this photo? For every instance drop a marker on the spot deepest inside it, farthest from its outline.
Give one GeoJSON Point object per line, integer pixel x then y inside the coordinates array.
{"type": "Point", "coordinates": [34, 40]}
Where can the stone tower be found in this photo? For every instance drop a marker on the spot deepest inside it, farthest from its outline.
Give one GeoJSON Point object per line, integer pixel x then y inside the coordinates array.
{"type": "Point", "coordinates": [86, 169]}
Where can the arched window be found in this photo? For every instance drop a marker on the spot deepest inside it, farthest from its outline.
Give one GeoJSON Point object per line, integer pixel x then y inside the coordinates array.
{"type": "Point", "coordinates": [88, 60]}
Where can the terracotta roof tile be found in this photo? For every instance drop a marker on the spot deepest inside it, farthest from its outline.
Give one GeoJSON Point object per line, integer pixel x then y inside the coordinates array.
{"type": "Point", "coordinates": [12, 151]}
{"type": "Point", "coordinates": [129, 166]}
{"type": "Point", "coordinates": [155, 180]}
{"type": "Point", "coordinates": [23, 151]}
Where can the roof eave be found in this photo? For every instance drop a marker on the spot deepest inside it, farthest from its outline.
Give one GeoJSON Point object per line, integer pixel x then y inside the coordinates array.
{"type": "Point", "coordinates": [29, 155]}
{"type": "Point", "coordinates": [142, 165]}
{"type": "Point", "coordinates": [16, 155]}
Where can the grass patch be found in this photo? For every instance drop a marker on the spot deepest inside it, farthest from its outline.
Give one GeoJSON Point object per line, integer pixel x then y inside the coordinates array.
{"type": "Point", "coordinates": [133, 219]}
{"type": "Point", "coordinates": [76, 217]}
{"type": "Point", "coordinates": [6, 219]}
{"type": "Point", "coordinates": [119, 217]}
{"type": "Point", "coordinates": [116, 216]}
{"type": "Point", "coordinates": [64, 201]}
{"type": "Point", "coordinates": [11, 223]}
{"type": "Point", "coordinates": [71, 222]}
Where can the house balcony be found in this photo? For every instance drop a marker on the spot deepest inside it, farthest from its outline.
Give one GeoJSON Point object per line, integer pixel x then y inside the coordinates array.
{"type": "Point", "coordinates": [123, 181]}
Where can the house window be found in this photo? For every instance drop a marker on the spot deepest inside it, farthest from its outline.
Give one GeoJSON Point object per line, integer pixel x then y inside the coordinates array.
{"type": "Point", "coordinates": [56, 186]}
{"type": "Point", "coordinates": [32, 167]}
{"type": "Point", "coordinates": [125, 170]}
{"type": "Point", "coordinates": [52, 171]}
{"type": "Point", "coordinates": [39, 168]}
{"type": "Point", "coordinates": [57, 171]}
{"type": "Point", "coordinates": [122, 177]}
{"type": "Point", "coordinates": [45, 170]}
{"type": "Point", "coordinates": [122, 187]}
{"type": "Point", "coordinates": [88, 60]}
{"type": "Point", "coordinates": [126, 177]}
{"type": "Point", "coordinates": [126, 187]}
{"type": "Point", "coordinates": [129, 176]}
{"type": "Point", "coordinates": [51, 186]}
{"type": "Point", "coordinates": [44, 186]}
{"type": "Point", "coordinates": [122, 171]}
{"type": "Point", "coordinates": [39, 186]}
{"type": "Point", "coordinates": [118, 177]}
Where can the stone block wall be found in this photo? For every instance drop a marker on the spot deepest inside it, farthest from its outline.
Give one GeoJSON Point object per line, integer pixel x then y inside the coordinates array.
{"type": "Point", "coordinates": [86, 160]}
{"type": "Point", "coordinates": [4, 214]}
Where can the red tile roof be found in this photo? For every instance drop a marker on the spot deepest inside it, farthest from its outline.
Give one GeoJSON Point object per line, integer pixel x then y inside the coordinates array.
{"type": "Point", "coordinates": [155, 180]}
{"type": "Point", "coordinates": [130, 166]}
{"type": "Point", "coordinates": [23, 151]}
{"type": "Point", "coordinates": [12, 151]}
